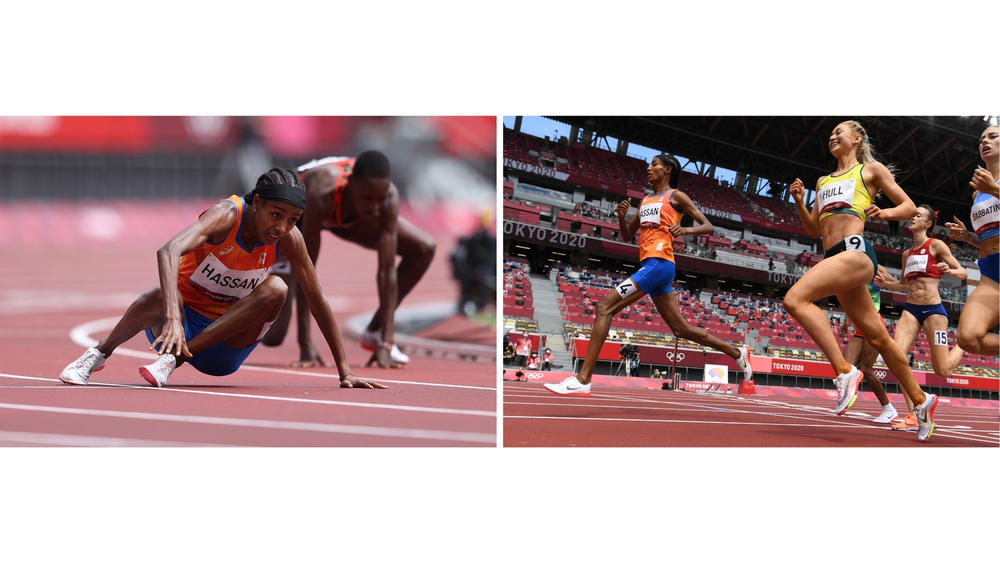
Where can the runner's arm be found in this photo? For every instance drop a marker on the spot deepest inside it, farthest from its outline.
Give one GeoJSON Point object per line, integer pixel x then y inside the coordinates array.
{"type": "Point", "coordinates": [881, 178]}
{"type": "Point", "coordinates": [984, 182]}
{"type": "Point", "coordinates": [388, 288]}
{"type": "Point", "coordinates": [305, 274]}
{"type": "Point", "coordinates": [319, 187]}
{"type": "Point", "coordinates": [687, 206]}
{"type": "Point", "coordinates": [212, 224]}
{"type": "Point", "coordinates": [947, 264]}
{"type": "Point", "coordinates": [810, 219]}
{"type": "Point", "coordinates": [885, 280]}
{"type": "Point", "coordinates": [626, 228]}
{"type": "Point", "coordinates": [958, 232]}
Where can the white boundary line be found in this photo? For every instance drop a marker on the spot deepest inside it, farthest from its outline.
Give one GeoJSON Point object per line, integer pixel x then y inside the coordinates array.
{"type": "Point", "coordinates": [65, 440]}
{"type": "Point", "coordinates": [424, 409]}
{"type": "Point", "coordinates": [957, 432]}
{"type": "Point", "coordinates": [954, 435]}
{"type": "Point", "coordinates": [81, 335]}
{"type": "Point", "coordinates": [469, 437]}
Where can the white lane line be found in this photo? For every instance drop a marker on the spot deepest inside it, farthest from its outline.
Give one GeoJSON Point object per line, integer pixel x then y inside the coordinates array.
{"type": "Point", "coordinates": [466, 437]}
{"type": "Point", "coordinates": [64, 440]}
{"type": "Point", "coordinates": [764, 424]}
{"type": "Point", "coordinates": [81, 335]}
{"type": "Point", "coordinates": [424, 409]}
{"type": "Point", "coordinates": [803, 412]}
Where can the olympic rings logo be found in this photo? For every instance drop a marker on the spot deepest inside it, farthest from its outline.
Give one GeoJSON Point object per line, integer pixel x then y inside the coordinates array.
{"type": "Point", "coordinates": [533, 376]}
{"type": "Point", "coordinates": [680, 356]}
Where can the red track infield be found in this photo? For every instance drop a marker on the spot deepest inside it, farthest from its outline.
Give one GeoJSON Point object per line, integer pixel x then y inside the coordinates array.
{"type": "Point", "coordinates": [623, 417]}
{"type": "Point", "coordinates": [55, 298]}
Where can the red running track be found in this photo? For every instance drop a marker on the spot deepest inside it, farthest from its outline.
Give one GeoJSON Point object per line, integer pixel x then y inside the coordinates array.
{"type": "Point", "coordinates": [53, 294]}
{"type": "Point", "coordinates": [622, 417]}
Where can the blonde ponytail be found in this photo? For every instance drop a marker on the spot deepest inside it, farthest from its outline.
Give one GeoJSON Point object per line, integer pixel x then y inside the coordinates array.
{"type": "Point", "coordinates": [866, 152]}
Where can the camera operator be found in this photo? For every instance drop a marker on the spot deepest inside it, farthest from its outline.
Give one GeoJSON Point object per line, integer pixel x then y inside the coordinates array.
{"type": "Point", "coordinates": [630, 356]}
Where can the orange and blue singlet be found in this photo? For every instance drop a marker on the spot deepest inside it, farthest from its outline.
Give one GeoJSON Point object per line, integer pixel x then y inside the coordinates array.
{"type": "Point", "coordinates": [211, 278]}
{"type": "Point", "coordinates": [656, 246]}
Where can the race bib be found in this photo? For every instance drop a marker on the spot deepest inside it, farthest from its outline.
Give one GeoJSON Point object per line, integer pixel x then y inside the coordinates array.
{"type": "Point", "coordinates": [915, 264]}
{"type": "Point", "coordinates": [941, 337]}
{"type": "Point", "coordinates": [626, 288]}
{"type": "Point", "coordinates": [219, 282]}
{"type": "Point", "coordinates": [986, 215]}
{"type": "Point", "coordinates": [649, 215]}
{"type": "Point", "coordinates": [836, 195]}
{"type": "Point", "coordinates": [855, 242]}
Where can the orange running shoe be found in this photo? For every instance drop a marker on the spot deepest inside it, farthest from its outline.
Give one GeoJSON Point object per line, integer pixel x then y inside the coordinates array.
{"type": "Point", "coordinates": [909, 423]}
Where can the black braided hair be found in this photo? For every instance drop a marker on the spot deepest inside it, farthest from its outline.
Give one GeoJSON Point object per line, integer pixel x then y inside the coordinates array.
{"type": "Point", "coordinates": [275, 176]}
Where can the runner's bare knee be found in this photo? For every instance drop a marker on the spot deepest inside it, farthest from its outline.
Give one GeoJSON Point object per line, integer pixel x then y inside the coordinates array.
{"type": "Point", "coordinates": [272, 291]}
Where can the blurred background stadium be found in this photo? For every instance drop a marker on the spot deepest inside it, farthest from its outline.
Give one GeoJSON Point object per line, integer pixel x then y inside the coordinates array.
{"type": "Point", "coordinates": [563, 176]}
{"type": "Point", "coordinates": [135, 181]}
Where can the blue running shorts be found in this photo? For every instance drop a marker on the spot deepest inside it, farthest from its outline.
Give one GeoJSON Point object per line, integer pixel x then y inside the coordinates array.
{"type": "Point", "coordinates": [218, 360]}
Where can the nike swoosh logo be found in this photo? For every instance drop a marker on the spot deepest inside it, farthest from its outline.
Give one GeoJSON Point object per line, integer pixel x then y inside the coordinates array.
{"type": "Point", "coordinates": [226, 251]}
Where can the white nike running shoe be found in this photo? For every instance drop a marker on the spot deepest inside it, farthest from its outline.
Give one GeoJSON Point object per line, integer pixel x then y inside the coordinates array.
{"type": "Point", "coordinates": [371, 340]}
{"type": "Point", "coordinates": [847, 390]}
{"type": "Point", "coordinates": [888, 414]}
{"type": "Point", "coordinates": [744, 363]}
{"type": "Point", "coordinates": [156, 373]}
{"type": "Point", "coordinates": [925, 416]}
{"type": "Point", "coordinates": [568, 387]}
{"type": "Point", "coordinates": [78, 372]}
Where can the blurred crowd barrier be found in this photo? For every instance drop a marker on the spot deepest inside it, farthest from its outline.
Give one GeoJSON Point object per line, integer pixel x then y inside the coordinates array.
{"type": "Point", "coordinates": [101, 157]}
{"type": "Point", "coordinates": [139, 178]}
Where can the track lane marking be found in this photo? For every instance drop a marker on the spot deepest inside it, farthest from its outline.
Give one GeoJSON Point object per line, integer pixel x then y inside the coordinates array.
{"type": "Point", "coordinates": [371, 431]}
{"type": "Point", "coordinates": [424, 409]}
{"type": "Point", "coordinates": [947, 433]}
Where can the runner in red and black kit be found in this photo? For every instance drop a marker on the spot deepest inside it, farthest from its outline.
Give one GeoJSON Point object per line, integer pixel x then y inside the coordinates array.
{"type": "Point", "coordinates": [355, 199]}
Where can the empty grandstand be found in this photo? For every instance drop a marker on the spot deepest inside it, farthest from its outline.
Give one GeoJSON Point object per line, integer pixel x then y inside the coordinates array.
{"type": "Point", "coordinates": [561, 238]}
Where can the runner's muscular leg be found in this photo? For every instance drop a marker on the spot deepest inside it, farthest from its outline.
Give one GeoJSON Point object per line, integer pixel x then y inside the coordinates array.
{"type": "Point", "coordinates": [979, 314]}
{"type": "Point", "coordinates": [607, 308]}
{"type": "Point", "coordinates": [144, 313]}
{"type": "Point", "coordinates": [906, 334]}
{"type": "Point", "coordinates": [866, 363]}
{"type": "Point", "coordinates": [940, 354]}
{"type": "Point", "coordinates": [846, 269]}
{"type": "Point", "coordinates": [667, 305]}
{"type": "Point", "coordinates": [414, 246]}
{"type": "Point", "coordinates": [241, 325]}
{"type": "Point", "coordinates": [861, 310]}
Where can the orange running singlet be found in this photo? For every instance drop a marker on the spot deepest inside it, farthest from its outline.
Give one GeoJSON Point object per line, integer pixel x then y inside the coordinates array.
{"type": "Point", "coordinates": [214, 276]}
{"type": "Point", "coordinates": [656, 216]}
{"type": "Point", "coordinates": [341, 167]}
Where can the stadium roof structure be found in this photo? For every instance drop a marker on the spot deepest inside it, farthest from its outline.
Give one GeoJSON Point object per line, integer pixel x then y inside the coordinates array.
{"type": "Point", "coordinates": [934, 156]}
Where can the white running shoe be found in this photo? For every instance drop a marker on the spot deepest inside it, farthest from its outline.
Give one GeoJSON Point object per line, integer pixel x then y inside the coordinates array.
{"type": "Point", "coordinates": [371, 340]}
{"type": "Point", "coordinates": [744, 363]}
{"type": "Point", "coordinates": [156, 373]}
{"type": "Point", "coordinates": [78, 372]}
{"type": "Point", "coordinates": [568, 387]}
{"type": "Point", "coordinates": [888, 414]}
{"type": "Point", "coordinates": [847, 390]}
{"type": "Point", "coordinates": [925, 416]}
